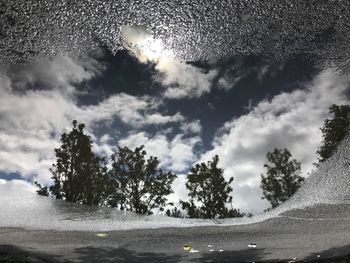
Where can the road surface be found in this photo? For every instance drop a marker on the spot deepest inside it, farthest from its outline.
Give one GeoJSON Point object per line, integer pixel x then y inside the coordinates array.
{"type": "Point", "coordinates": [316, 233]}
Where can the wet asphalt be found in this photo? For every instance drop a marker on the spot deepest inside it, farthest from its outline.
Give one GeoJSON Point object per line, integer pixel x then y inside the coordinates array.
{"type": "Point", "coordinates": [314, 234]}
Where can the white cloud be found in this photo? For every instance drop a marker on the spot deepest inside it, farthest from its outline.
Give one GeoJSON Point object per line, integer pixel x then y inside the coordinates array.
{"type": "Point", "coordinates": [238, 71]}
{"type": "Point", "coordinates": [183, 80]}
{"type": "Point", "coordinates": [133, 111]}
{"type": "Point", "coordinates": [227, 84]}
{"type": "Point", "coordinates": [180, 191]}
{"type": "Point", "coordinates": [289, 120]}
{"type": "Point", "coordinates": [193, 126]}
{"type": "Point", "coordinates": [176, 154]}
{"type": "Point", "coordinates": [59, 72]}
{"type": "Point", "coordinates": [33, 117]}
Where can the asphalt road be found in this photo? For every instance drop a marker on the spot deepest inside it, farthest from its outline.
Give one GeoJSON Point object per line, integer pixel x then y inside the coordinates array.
{"type": "Point", "coordinates": [317, 233]}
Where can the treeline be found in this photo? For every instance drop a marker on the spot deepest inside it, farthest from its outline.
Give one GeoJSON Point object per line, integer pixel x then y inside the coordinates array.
{"type": "Point", "coordinates": [133, 182]}
{"type": "Point", "coordinates": [127, 180]}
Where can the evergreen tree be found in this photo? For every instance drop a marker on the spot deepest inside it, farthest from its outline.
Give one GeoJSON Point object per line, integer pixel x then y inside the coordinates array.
{"type": "Point", "coordinates": [334, 130]}
{"type": "Point", "coordinates": [142, 185]}
{"type": "Point", "coordinates": [208, 191]}
{"type": "Point", "coordinates": [282, 179]}
{"type": "Point", "coordinates": [78, 174]}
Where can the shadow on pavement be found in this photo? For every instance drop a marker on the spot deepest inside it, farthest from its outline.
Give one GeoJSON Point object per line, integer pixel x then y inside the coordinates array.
{"type": "Point", "coordinates": [109, 254]}
{"type": "Point", "coordinates": [335, 254]}
{"type": "Point", "coordinates": [246, 255]}
{"type": "Point", "coordinates": [31, 256]}
{"type": "Point", "coordinates": [94, 254]}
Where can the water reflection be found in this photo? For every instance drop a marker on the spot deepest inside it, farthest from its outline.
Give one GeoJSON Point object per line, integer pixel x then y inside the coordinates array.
{"type": "Point", "coordinates": [188, 81]}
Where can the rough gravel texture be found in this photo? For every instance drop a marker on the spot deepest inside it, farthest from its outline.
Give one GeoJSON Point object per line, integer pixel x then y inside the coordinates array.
{"type": "Point", "coordinates": [194, 30]}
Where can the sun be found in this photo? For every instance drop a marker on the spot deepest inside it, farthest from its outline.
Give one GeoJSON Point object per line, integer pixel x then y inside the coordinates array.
{"type": "Point", "coordinates": [152, 48]}
{"type": "Point", "coordinates": [140, 41]}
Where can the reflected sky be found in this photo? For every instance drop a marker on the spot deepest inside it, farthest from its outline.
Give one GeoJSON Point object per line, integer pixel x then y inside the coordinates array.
{"type": "Point", "coordinates": [186, 80]}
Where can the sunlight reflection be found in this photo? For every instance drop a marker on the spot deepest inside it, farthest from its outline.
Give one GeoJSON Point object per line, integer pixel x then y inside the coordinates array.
{"type": "Point", "coordinates": [141, 42]}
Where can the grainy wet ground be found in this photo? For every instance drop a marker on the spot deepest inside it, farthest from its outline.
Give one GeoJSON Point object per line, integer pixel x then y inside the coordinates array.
{"type": "Point", "coordinates": [316, 233]}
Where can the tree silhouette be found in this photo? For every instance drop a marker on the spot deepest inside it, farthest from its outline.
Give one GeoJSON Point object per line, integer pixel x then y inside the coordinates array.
{"type": "Point", "coordinates": [78, 174]}
{"type": "Point", "coordinates": [44, 191]}
{"type": "Point", "coordinates": [142, 185]}
{"type": "Point", "coordinates": [175, 212]}
{"type": "Point", "coordinates": [282, 178]}
{"type": "Point", "coordinates": [208, 192]}
{"type": "Point", "coordinates": [334, 130]}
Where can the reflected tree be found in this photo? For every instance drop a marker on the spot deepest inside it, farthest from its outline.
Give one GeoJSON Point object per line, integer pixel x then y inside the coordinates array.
{"type": "Point", "coordinates": [78, 174]}
{"type": "Point", "coordinates": [140, 186]}
{"type": "Point", "coordinates": [334, 130]}
{"type": "Point", "coordinates": [282, 177]}
{"type": "Point", "coordinates": [209, 192]}
{"type": "Point", "coordinates": [174, 212]}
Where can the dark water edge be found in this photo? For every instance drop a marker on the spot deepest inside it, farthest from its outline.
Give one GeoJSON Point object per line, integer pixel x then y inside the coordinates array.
{"type": "Point", "coordinates": [15, 255]}
{"type": "Point", "coordinates": [7, 258]}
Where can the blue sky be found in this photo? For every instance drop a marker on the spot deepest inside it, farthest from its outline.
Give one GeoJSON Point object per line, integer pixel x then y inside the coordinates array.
{"type": "Point", "coordinates": [238, 108]}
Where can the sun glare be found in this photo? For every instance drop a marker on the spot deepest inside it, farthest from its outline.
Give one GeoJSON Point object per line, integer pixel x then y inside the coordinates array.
{"type": "Point", "coordinates": [142, 43]}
